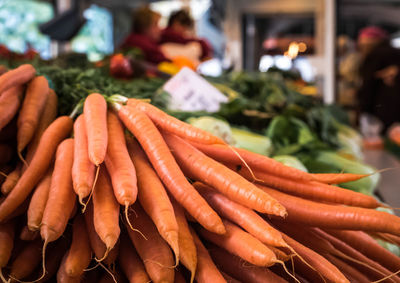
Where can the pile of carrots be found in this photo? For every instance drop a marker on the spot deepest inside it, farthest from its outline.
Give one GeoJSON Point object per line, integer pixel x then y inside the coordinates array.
{"type": "Point", "coordinates": [126, 193]}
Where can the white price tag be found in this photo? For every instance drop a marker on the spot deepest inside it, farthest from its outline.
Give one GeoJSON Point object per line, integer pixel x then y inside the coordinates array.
{"type": "Point", "coordinates": [190, 92]}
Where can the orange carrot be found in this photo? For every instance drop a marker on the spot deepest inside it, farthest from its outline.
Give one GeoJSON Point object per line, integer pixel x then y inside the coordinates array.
{"type": "Point", "coordinates": [153, 197]}
{"type": "Point", "coordinates": [130, 262]}
{"type": "Point", "coordinates": [95, 112]}
{"type": "Point", "coordinates": [337, 178]}
{"type": "Point", "coordinates": [351, 273]}
{"type": "Point", "coordinates": [97, 245]}
{"type": "Point", "coordinates": [154, 252]}
{"type": "Point", "coordinates": [26, 261]}
{"type": "Point", "coordinates": [62, 275]}
{"type": "Point", "coordinates": [119, 164]}
{"type": "Point", "coordinates": [79, 254]}
{"type": "Point", "coordinates": [10, 102]}
{"type": "Point", "coordinates": [46, 118]}
{"type": "Point", "coordinates": [244, 272]}
{"type": "Point", "coordinates": [242, 216]}
{"type": "Point", "coordinates": [17, 76]}
{"type": "Point", "coordinates": [187, 248]}
{"type": "Point", "coordinates": [310, 190]}
{"type": "Point", "coordinates": [11, 180]}
{"type": "Point", "coordinates": [334, 216]}
{"type": "Point", "coordinates": [105, 211]}
{"type": "Point", "coordinates": [242, 244]}
{"type": "Point", "coordinates": [167, 169]}
{"type": "Point", "coordinates": [6, 153]}
{"type": "Point", "coordinates": [198, 166]}
{"type": "Point", "coordinates": [38, 202]}
{"type": "Point", "coordinates": [206, 269]}
{"type": "Point", "coordinates": [28, 235]}
{"type": "Point", "coordinates": [33, 105]}
{"type": "Point", "coordinates": [51, 138]}
{"type": "Point", "coordinates": [82, 169]}
{"type": "Point", "coordinates": [173, 125]}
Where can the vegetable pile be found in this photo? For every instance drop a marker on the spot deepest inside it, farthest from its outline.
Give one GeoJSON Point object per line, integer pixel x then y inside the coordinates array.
{"type": "Point", "coordinates": [150, 197]}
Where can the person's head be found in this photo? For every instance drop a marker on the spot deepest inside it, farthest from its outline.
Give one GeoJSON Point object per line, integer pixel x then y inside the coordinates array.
{"type": "Point", "coordinates": [145, 21]}
{"type": "Point", "coordinates": [181, 22]}
{"type": "Point", "coordinates": [369, 38]}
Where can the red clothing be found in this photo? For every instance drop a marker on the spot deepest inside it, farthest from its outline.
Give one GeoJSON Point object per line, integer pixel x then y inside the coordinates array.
{"type": "Point", "coordinates": [169, 35]}
{"type": "Point", "coordinates": [150, 49]}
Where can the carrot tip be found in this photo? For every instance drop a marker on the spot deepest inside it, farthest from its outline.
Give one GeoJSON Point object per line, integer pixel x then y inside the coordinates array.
{"type": "Point", "coordinates": [22, 158]}
{"type": "Point", "coordinates": [129, 223]}
{"type": "Point", "coordinates": [108, 271]}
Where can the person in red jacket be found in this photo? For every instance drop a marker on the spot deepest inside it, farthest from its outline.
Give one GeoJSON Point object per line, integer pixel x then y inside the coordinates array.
{"type": "Point", "coordinates": [180, 30]}
{"type": "Point", "coordinates": [145, 35]}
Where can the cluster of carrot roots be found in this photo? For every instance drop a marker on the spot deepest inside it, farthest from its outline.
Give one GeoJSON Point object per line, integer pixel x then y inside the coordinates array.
{"type": "Point", "coordinates": [124, 192]}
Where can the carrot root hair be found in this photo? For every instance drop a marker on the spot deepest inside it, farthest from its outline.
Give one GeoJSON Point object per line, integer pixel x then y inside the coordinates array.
{"type": "Point", "coordinates": [22, 158]}
{"type": "Point", "coordinates": [2, 277]}
{"type": "Point", "coordinates": [77, 108]}
{"type": "Point", "coordinates": [387, 277]}
{"type": "Point", "coordinates": [287, 271]}
{"type": "Point", "coordinates": [245, 163]}
{"type": "Point", "coordinates": [93, 267]}
{"type": "Point", "coordinates": [300, 257]}
{"type": "Point", "coordinates": [104, 256]}
{"type": "Point", "coordinates": [91, 190]}
{"type": "Point", "coordinates": [3, 174]}
{"type": "Point", "coordinates": [130, 224]}
{"type": "Point", "coordinates": [108, 271]}
{"type": "Point", "coordinates": [159, 264]}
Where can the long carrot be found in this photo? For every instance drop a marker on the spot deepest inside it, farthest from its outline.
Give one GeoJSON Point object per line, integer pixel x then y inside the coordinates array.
{"type": "Point", "coordinates": [337, 178]}
{"type": "Point", "coordinates": [12, 179]}
{"type": "Point", "coordinates": [97, 245]}
{"type": "Point", "coordinates": [198, 166]}
{"type": "Point", "coordinates": [10, 102]}
{"type": "Point", "coordinates": [51, 138]}
{"type": "Point", "coordinates": [46, 118]}
{"type": "Point", "coordinates": [227, 154]}
{"type": "Point", "coordinates": [242, 216]}
{"type": "Point", "coordinates": [154, 252]}
{"type": "Point", "coordinates": [235, 267]}
{"type": "Point", "coordinates": [26, 261]}
{"type": "Point", "coordinates": [309, 189]}
{"type": "Point", "coordinates": [173, 125]}
{"type": "Point", "coordinates": [206, 269]}
{"type": "Point", "coordinates": [33, 105]}
{"type": "Point", "coordinates": [167, 169]}
{"type": "Point", "coordinates": [119, 164]}
{"type": "Point", "coordinates": [106, 212]}
{"type": "Point", "coordinates": [83, 170]}
{"type": "Point", "coordinates": [6, 243]}
{"type": "Point", "coordinates": [153, 197]}
{"type": "Point", "coordinates": [95, 112]}
{"type": "Point", "coordinates": [351, 273]}
{"type": "Point", "coordinates": [335, 216]}
{"type": "Point", "coordinates": [17, 76]}
{"type": "Point", "coordinates": [130, 262]}
{"type": "Point", "coordinates": [187, 248]}
{"type": "Point", "coordinates": [242, 244]}
{"type": "Point", "coordinates": [79, 254]}
{"type": "Point", "coordinates": [38, 202]}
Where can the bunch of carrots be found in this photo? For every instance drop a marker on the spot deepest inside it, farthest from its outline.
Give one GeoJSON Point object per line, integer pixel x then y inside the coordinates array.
{"type": "Point", "coordinates": [126, 193]}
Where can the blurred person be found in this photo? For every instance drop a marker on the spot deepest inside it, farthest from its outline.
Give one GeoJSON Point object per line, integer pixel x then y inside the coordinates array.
{"type": "Point", "coordinates": [379, 94]}
{"type": "Point", "coordinates": [180, 30]}
{"type": "Point", "coordinates": [145, 35]}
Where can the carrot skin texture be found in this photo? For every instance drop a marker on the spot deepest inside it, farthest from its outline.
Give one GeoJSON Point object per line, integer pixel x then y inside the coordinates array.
{"type": "Point", "coordinates": [27, 260]}
{"type": "Point", "coordinates": [242, 244]}
{"type": "Point", "coordinates": [206, 269]}
{"type": "Point", "coordinates": [83, 170]}
{"type": "Point", "coordinates": [11, 180]}
{"type": "Point", "coordinates": [131, 263]}
{"type": "Point", "coordinates": [168, 170]}
{"type": "Point", "coordinates": [61, 199]}
{"type": "Point", "coordinates": [242, 216]}
{"type": "Point", "coordinates": [234, 266]}
{"type": "Point", "coordinates": [337, 178]}
{"type": "Point", "coordinates": [173, 125]}
{"type": "Point", "coordinates": [198, 166]}
{"type": "Point", "coordinates": [6, 242]}
{"type": "Point", "coordinates": [119, 164]}
{"type": "Point", "coordinates": [105, 210]}
{"type": "Point", "coordinates": [38, 202]}
{"type": "Point", "coordinates": [51, 138]}
{"type": "Point", "coordinates": [349, 271]}
{"type": "Point", "coordinates": [153, 197]}
{"type": "Point", "coordinates": [17, 76]}
{"type": "Point", "coordinates": [62, 276]}
{"type": "Point", "coordinates": [335, 217]}
{"type": "Point", "coordinates": [79, 255]}
{"type": "Point", "coordinates": [32, 107]}
{"type": "Point", "coordinates": [10, 102]}
{"type": "Point", "coordinates": [95, 113]}
{"type": "Point", "coordinates": [153, 251]}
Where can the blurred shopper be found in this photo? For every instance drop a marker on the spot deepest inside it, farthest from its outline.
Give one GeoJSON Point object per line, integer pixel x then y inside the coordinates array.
{"type": "Point", "coordinates": [379, 94]}
{"type": "Point", "coordinates": [180, 30]}
{"type": "Point", "coordinates": [146, 34]}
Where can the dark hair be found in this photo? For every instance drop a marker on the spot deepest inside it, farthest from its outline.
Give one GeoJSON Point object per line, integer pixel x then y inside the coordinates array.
{"type": "Point", "coordinates": [143, 18]}
{"type": "Point", "coordinates": [182, 17]}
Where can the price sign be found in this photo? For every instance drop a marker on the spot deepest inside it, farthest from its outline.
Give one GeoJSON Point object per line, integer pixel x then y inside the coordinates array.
{"type": "Point", "coordinates": [190, 92]}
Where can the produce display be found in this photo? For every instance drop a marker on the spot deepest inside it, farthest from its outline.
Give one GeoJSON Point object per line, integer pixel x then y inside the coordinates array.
{"type": "Point", "coordinates": [121, 191]}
